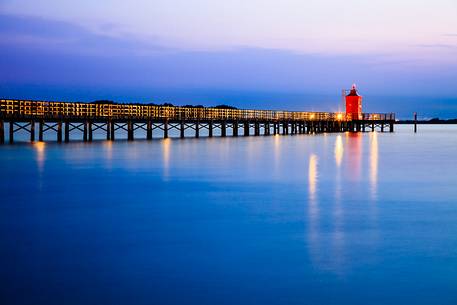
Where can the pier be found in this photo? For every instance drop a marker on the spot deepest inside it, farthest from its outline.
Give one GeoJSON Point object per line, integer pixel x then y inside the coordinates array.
{"type": "Point", "coordinates": [64, 118]}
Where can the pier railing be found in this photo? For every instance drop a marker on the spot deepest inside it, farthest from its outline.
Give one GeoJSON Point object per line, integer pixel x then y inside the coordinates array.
{"type": "Point", "coordinates": [78, 110]}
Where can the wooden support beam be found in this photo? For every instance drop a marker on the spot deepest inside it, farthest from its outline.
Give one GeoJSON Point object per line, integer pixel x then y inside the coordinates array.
{"type": "Point", "coordinates": [182, 129]}
{"type": "Point", "coordinates": [165, 129]}
{"type": "Point", "coordinates": [2, 132]}
{"type": "Point", "coordinates": [149, 130]}
{"type": "Point", "coordinates": [391, 129]}
{"type": "Point", "coordinates": [285, 128]}
{"type": "Point", "coordinates": [85, 132]}
{"type": "Point", "coordinates": [112, 130]}
{"type": "Point", "coordinates": [197, 129]}
{"type": "Point", "coordinates": [67, 132]}
{"type": "Point", "coordinates": [59, 131]}
{"type": "Point", "coordinates": [246, 129]}
{"type": "Point", "coordinates": [32, 131]}
{"type": "Point", "coordinates": [130, 132]}
{"type": "Point", "coordinates": [108, 130]}
{"type": "Point", "coordinates": [89, 126]}
{"type": "Point", "coordinates": [40, 131]}
{"type": "Point", "coordinates": [235, 129]}
{"type": "Point", "coordinates": [223, 129]}
{"type": "Point", "coordinates": [210, 129]}
{"type": "Point", "coordinates": [11, 132]}
{"type": "Point", "coordinates": [266, 129]}
{"type": "Point", "coordinates": [256, 129]}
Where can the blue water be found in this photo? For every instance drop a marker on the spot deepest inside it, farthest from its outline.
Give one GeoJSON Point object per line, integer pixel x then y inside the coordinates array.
{"type": "Point", "coordinates": [307, 219]}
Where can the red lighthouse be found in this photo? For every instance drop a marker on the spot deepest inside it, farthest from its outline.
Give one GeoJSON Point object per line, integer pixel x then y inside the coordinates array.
{"type": "Point", "coordinates": [354, 104]}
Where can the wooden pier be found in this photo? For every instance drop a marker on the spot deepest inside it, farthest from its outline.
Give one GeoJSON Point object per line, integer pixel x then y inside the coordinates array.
{"type": "Point", "coordinates": [64, 118]}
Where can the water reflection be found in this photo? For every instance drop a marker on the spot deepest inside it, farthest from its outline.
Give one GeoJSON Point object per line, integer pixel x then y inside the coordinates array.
{"type": "Point", "coordinates": [166, 157]}
{"type": "Point", "coordinates": [276, 152]}
{"type": "Point", "coordinates": [374, 164]}
{"type": "Point", "coordinates": [339, 150]}
{"type": "Point", "coordinates": [313, 210]}
{"type": "Point", "coordinates": [40, 149]}
{"type": "Point", "coordinates": [108, 148]}
{"type": "Point", "coordinates": [312, 178]}
{"type": "Point", "coordinates": [354, 155]}
{"type": "Point", "coordinates": [337, 236]}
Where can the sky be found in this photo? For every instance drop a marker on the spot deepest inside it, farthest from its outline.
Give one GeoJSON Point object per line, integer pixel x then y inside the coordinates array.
{"type": "Point", "coordinates": [289, 54]}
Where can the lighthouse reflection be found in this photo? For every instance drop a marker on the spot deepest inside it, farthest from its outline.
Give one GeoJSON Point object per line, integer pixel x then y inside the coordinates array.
{"type": "Point", "coordinates": [354, 155]}
{"type": "Point", "coordinates": [333, 190]}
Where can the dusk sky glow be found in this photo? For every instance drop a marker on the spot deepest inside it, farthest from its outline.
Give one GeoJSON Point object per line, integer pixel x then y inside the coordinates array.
{"type": "Point", "coordinates": [289, 54]}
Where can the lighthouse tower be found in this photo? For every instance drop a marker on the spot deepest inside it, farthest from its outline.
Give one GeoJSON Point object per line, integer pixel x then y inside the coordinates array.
{"type": "Point", "coordinates": [354, 104]}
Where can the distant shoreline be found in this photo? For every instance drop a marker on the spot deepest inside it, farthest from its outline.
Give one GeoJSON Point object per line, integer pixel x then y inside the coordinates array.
{"type": "Point", "coordinates": [431, 121]}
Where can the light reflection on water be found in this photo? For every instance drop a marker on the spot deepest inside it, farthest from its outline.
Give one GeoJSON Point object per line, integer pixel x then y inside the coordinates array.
{"type": "Point", "coordinates": [40, 148]}
{"type": "Point", "coordinates": [279, 219]}
{"type": "Point", "coordinates": [374, 164]}
{"type": "Point", "coordinates": [166, 143]}
{"type": "Point", "coordinates": [354, 154]}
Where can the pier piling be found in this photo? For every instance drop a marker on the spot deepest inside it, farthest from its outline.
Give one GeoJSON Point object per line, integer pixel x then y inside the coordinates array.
{"type": "Point", "coordinates": [32, 131]}
{"type": "Point", "coordinates": [112, 130]}
{"type": "Point", "coordinates": [223, 129]}
{"type": "Point", "coordinates": [40, 130]}
{"type": "Point", "coordinates": [165, 129]}
{"type": "Point", "coordinates": [2, 132]}
{"type": "Point", "coordinates": [67, 132]}
{"type": "Point", "coordinates": [11, 132]}
{"type": "Point", "coordinates": [59, 131]}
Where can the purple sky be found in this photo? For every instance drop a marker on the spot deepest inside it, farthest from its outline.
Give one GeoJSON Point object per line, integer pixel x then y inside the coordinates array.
{"type": "Point", "coordinates": [289, 55]}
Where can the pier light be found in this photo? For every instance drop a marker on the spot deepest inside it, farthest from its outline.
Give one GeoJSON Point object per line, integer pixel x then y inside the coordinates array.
{"type": "Point", "coordinates": [339, 116]}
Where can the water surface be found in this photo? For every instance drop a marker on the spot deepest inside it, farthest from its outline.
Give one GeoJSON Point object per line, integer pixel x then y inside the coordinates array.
{"type": "Point", "coordinates": [307, 219]}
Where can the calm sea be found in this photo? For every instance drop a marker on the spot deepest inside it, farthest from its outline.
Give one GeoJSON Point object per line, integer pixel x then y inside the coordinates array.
{"type": "Point", "coordinates": [307, 219]}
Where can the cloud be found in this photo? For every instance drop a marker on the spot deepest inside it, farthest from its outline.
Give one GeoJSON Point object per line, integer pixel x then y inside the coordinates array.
{"type": "Point", "coordinates": [39, 33]}
{"type": "Point", "coordinates": [438, 46]}
{"type": "Point", "coordinates": [41, 52]}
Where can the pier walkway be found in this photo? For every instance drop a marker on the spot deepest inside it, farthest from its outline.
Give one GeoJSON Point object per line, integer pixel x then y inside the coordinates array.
{"type": "Point", "coordinates": [64, 118]}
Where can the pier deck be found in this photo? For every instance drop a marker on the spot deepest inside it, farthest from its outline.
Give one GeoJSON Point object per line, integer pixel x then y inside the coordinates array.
{"type": "Point", "coordinates": [62, 118]}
